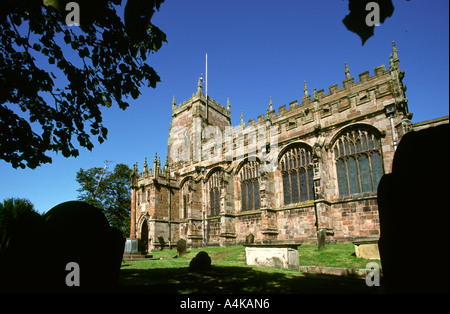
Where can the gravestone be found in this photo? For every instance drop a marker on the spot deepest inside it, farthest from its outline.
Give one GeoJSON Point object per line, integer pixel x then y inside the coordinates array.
{"type": "Point", "coordinates": [162, 243]}
{"type": "Point", "coordinates": [200, 262]}
{"type": "Point", "coordinates": [75, 229]}
{"type": "Point", "coordinates": [181, 247]}
{"type": "Point", "coordinates": [321, 239]}
{"type": "Point", "coordinates": [250, 239]}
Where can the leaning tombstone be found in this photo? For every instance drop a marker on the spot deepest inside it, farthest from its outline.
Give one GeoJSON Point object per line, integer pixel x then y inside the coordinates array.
{"type": "Point", "coordinates": [250, 239]}
{"type": "Point", "coordinates": [181, 247]}
{"type": "Point", "coordinates": [321, 239]}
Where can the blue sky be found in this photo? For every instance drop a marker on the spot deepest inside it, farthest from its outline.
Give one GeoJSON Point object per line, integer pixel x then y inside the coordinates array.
{"type": "Point", "coordinates": [256, 49]}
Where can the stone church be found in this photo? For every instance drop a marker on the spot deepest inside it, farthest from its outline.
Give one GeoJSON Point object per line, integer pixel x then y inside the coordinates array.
{"type": "Point", "coordinates": [309, 167]}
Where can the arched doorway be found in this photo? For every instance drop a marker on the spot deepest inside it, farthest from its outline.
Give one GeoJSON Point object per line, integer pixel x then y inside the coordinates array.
{"type": "Point", "coordinates": [144, 237]}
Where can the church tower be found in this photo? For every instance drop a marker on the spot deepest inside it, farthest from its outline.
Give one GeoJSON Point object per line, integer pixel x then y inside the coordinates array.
{"type": "Point", "coordinates": [193, 122]}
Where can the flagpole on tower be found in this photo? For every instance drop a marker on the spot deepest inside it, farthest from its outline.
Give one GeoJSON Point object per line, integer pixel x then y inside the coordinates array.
{"type": "Point", "coordinates": [206, 86]}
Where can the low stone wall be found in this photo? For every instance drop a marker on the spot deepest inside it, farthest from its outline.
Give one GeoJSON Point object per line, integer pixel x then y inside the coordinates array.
{"type": "Point", "coordinates": [335, 271]}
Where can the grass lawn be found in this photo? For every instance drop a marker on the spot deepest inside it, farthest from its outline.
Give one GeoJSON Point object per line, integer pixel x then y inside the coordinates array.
{"type": "Point", "coordinates": [230, 274]}
{"type": "Point", "coordinates": [333, 255]}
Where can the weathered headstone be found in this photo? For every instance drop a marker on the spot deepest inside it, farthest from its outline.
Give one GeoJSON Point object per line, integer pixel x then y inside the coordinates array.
{"type": "Point", "coordinates": [181, 247]}
{"type": "Point", "coordinates": [250, 239]}
{"type": "Point", "coordinates": [162, 243]}
{"type": "Point", "coordinates": [200, 262]}
{"type": "Point", "coordinates": [321, 239]}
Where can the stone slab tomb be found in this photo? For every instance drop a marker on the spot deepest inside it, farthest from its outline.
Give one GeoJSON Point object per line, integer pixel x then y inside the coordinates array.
{"type": "Point", "coordinates": [280, 256]}
{"type": "Point", "coordinates": [367, 248]}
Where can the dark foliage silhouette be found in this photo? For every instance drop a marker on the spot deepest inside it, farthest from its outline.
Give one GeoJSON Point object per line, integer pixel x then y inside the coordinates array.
{"type": "Point", "coordinates": [62, 77]}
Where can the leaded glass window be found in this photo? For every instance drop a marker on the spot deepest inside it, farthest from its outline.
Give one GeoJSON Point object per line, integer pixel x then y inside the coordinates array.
{"type": "Point", "coordinates": [359, 165]}
{"type": "Point", "coordinates": [214, 193]}
{"type": "Point", "coordinates": [297, 175]}
{"type": "Point", "coordinates": [249, 181]}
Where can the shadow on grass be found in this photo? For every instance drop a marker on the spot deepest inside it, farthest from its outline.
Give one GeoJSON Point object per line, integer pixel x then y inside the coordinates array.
{"type": "Point", "coordinates": [235, 280]}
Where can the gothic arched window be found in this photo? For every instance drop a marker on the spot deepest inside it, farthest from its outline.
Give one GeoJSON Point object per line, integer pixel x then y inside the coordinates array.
{"type": "Point", "coordinates": [297, 173]}
{"type": "Point", "coordinates": [249, 179]}
{"type": "Point", "coordinates": [214, 193]}
{"type": "Point", "coordinates": [359, 163]}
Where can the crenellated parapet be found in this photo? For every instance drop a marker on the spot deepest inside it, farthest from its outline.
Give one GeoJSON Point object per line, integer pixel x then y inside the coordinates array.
{"type": "Point", "coordinates": [200, 98]}
{"type": "Point", "coordinates": [353, 99]}
{"type": "Point", "coordinates": [367, 91]}
{"type": "Point", "coordinates": [150, 176]}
